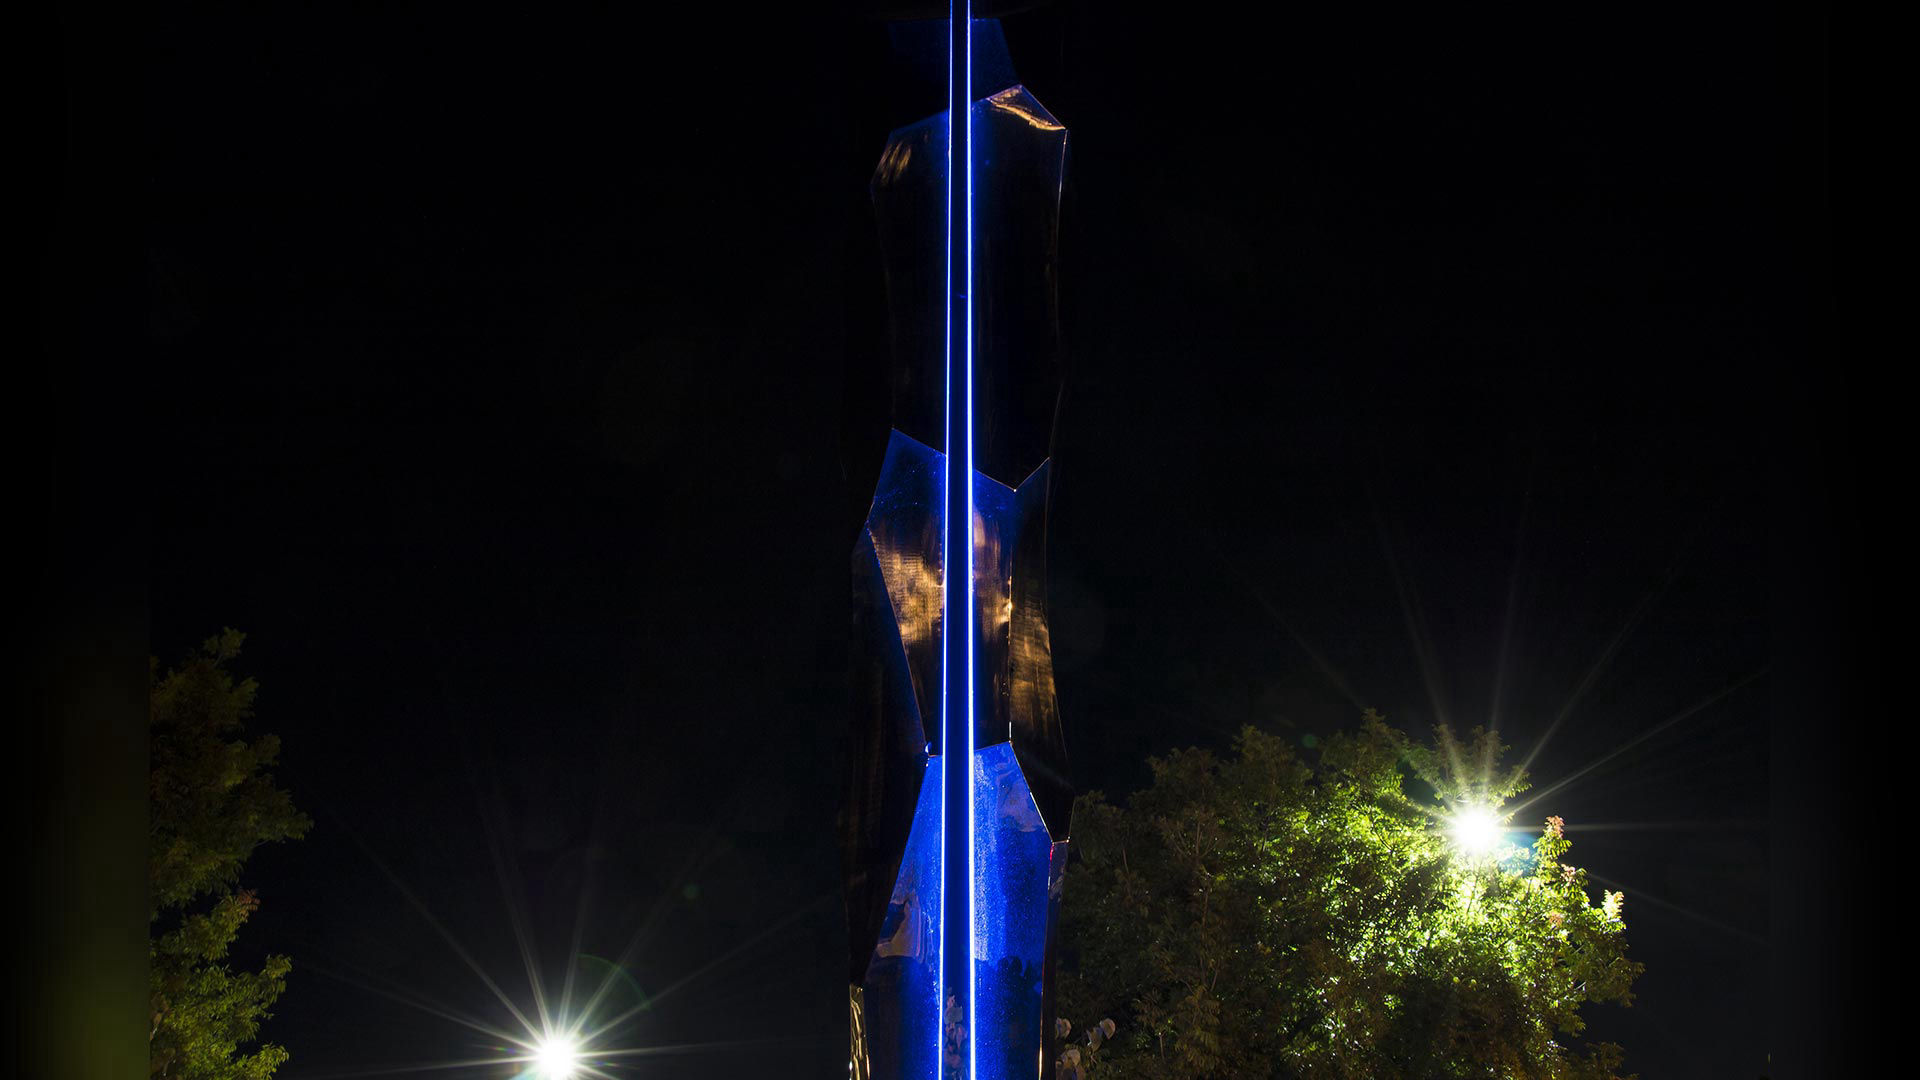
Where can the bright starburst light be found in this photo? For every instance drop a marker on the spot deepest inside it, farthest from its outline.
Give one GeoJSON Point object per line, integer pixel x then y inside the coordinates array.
{"type": "Point", "coordinates": [558, 1058]}
{"type": "Point", "coordinates": [568, 1038]}
{"type": "Point", "coordinates": [1475, 830]}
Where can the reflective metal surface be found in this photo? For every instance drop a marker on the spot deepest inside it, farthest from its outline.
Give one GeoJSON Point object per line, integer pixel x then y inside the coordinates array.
{"type": "Point", "coordinates": [900, 988]}
{"type": "Point", "coordinates": [1020, 157]}
{"type": "Point", "coordinates": [956, 842]}
{"type": "Point", "coordinates": [888, 754]}
{"type": "Point", "coordinates": [1012, 915]}
{"type": "Point", "coordinates": [904, 528]}
{"type": "Point", "coordinates": [1020, 165]}
{"type": "Point", "coordinates": [1014, 662]}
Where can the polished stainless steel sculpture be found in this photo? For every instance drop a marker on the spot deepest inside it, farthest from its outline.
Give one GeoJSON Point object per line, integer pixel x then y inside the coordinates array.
{"type": "Point", "coordinates": [957, 816]}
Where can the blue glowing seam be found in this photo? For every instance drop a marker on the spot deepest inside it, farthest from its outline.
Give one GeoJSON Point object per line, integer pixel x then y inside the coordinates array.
{"type": "Point", "coordinates": [946, 572]}
{"type": "Point", "coordinates": [959, 754]}
{"type": "Point", "coordinates": [973, 866]}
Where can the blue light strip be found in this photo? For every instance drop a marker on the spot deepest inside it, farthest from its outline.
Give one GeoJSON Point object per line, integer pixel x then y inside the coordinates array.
{"type": "Point", "coordinates": [946, 593]}
{"type": "Point", "coordinates": [973, 869]}
{"type": "Point", "coordinates": [959, 899]}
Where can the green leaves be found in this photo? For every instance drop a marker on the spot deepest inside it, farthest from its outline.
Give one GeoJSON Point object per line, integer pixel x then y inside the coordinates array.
{"type": "Point", "coordinates": [211, 802]}
{"type": "Point", "coordinates": [1264, 915]}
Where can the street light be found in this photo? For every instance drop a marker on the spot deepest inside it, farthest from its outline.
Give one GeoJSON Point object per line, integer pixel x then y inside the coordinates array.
{"type": "Point", "coordinates": [1475, 830]}
{"type": "Point", "coordinates": [558, 1058]}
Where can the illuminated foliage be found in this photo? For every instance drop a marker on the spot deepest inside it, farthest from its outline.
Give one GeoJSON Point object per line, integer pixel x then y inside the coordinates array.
{"type": "Point", "coordinates": [1280, 914]}
{"type": "Point", "coordinates": [211, 802]}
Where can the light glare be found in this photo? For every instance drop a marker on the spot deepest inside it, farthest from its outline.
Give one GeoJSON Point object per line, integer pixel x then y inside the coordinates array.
{"type": "Point", "coordinates": [557, 1059]}
{"type": "Point", "coordinates": [1476, 831]}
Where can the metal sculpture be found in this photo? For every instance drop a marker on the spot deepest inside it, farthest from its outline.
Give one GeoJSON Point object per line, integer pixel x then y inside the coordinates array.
{"type": "Point", "coordinates": [957, 818]}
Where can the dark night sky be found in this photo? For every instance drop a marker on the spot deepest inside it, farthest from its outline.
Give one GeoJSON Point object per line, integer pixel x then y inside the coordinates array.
{"type": "Point", "coordinates": [514, 389]}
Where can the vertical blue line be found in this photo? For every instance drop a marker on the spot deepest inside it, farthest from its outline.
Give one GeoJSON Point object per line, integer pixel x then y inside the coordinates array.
{"type": "Point", "coordinates": [973, 875]}
{"type": "Point", "coordinates": [946, 593]}
{"type": "Point", "coordinates": [958, 899]}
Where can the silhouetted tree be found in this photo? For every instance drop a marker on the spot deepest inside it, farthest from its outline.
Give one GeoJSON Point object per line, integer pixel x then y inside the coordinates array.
{"type": "Point", "coordinates": [211, 802]}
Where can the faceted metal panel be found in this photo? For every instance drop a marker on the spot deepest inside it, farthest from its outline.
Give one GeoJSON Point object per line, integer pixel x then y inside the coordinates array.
{"type": "Point", "coordinates": [996, 531]}
{"type": "Point", "coordinates": [1012, 914]}
{"type": "Point", "coordinates": [887, 759]}
{"type": "Point", "coordinates": [904, 526]}
{"type": "Point", "coordinates": [1014, 660]}
{"type": "Point", "coordinates": [1056, 882]}
{"type": "Point", "coordinates": [1019, 161]}
{"type": "Point", "coordinates": [1019, 165]}
{"type": "Point", "coordinates": [900, 988]}
{"type": "Point", "coordinates": [1033, 711]}
{"type": "Point", "coordinates": [909, 199]}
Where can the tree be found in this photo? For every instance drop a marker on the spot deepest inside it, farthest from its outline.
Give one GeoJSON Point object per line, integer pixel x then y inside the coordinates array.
{"type": "Point", "coordinates": [211, 802]}
{"type": "Point", "coordinates": [1278, 914]}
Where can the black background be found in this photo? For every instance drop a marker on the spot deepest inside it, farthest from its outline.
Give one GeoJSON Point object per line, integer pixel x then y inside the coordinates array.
{"type": "Point", "coordinates": [514, 379]}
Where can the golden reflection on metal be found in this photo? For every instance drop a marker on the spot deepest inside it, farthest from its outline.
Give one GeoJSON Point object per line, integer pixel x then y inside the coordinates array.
{"type": "Point", "coordinates": [993, 600]}
{"type": "Point", "coordinates": [903, 528]}
{"type": "Point", "coordinates": [916, 590]}
{"type": "Point", "coordinates": [913, 584]}
{"type": "Point", "coordinates": [1030, 692]}
{"type": "Point", "coordinates": [1033, 710]}
{"type": "Point", "coordinates": [1018, 702]}
{"type": "Point", "coordinates": [893, 161]}
{"type": "Point", "coordinates": [993, 579]}
{"type": "Point", "coordinates": [1015, 101]}
{"type": "Point", "coordinates": [858, 1066]}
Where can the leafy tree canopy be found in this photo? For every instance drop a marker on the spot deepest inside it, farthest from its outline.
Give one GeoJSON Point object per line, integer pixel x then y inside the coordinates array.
{"type": "Point", "coordinates": [211, 802]}
{"type": "Point", "coordinates": [1275, 914]}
